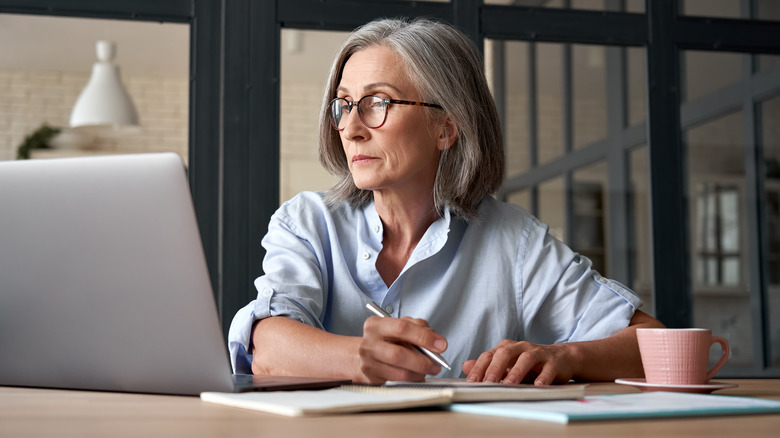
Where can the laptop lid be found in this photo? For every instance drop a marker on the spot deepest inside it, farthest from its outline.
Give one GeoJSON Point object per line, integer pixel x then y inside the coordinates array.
{"type": "Point", "coordinates": [103, 279]}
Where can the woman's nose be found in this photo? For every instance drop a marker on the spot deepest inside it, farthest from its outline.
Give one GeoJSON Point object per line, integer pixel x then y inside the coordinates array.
{"type": "Point", "coordinates": [353, 126]}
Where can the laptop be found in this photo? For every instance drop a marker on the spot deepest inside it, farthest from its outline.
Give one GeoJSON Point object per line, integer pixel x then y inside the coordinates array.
{"type": "Point", "coordinates": [104, 284]}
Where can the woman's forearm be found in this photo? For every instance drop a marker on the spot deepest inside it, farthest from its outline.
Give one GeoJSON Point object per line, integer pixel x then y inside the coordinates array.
{"type": "Point", "coordinates": [613, 357]}
{"type": "Point", "coordinates": [284, 347]}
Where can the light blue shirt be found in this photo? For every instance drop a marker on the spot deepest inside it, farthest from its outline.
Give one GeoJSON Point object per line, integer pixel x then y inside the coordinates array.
{"type": "Point", "coordinates": [477, 283]}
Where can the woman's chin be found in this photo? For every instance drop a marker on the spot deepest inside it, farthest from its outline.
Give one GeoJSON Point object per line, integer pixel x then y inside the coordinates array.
{"type": "Point", "coordinates": [364, 184]}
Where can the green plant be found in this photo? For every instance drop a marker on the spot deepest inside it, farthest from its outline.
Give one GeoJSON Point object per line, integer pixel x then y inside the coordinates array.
{"type": "Point", "coordinates": [39, 139]}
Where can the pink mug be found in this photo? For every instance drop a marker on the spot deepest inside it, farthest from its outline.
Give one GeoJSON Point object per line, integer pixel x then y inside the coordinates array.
{"type": "Point", "coordinates": [679, 356]}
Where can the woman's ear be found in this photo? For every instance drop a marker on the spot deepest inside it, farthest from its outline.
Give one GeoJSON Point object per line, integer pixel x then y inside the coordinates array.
{"type": "Point", "coordinates": [448, 134]}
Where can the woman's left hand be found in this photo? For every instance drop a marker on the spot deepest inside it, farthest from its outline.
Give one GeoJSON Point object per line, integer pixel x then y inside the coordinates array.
{"type": "Point", "coordinates": [515, 362]}
{"type": "Point", "coordinates": [598, 360]}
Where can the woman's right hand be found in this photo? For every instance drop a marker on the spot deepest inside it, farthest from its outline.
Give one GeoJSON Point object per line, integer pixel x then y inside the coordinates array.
{"type": "Point", "coordinates": [387, 349]}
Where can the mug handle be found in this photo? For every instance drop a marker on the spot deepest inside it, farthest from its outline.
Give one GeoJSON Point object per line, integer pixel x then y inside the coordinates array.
{"type": "Point", "coordinates": [724, 346]}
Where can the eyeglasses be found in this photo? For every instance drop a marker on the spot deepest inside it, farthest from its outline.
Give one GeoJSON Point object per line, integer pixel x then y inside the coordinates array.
{"type": "Point", "coordinates": [372, 110]}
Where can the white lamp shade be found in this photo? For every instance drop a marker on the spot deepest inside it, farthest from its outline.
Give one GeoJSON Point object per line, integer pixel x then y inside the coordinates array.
{"type": "Point", "coordinates": [104, 101]}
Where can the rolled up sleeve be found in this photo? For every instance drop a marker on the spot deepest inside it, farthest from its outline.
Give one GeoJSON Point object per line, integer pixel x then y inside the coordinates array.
{"type": "Point", "coordinates": [239, 338]}
{"type": "Point", "coordinates": [608, 311]}
{"type": "Point", "coordinates": [292, 286]}
{"type": "Point", "coordinates": [565, 299]}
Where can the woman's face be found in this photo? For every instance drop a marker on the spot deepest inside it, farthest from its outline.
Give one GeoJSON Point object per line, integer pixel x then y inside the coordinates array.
{"type": "Point", "coordinates": [402, 155]}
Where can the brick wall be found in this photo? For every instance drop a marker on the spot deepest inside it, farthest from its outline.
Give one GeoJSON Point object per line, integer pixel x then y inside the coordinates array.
{"type": "Point", "coordinates": [28, 99]}
{"type": "Point", "coordinates": [300, 167]}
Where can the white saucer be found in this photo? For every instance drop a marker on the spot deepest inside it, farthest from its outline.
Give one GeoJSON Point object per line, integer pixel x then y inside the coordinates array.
{"type": "Point", "coordinates": [701, 389]}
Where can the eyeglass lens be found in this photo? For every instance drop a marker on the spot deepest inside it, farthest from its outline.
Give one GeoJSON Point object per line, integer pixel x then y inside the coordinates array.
{"type": "Point", "coordinates": [371, 110]}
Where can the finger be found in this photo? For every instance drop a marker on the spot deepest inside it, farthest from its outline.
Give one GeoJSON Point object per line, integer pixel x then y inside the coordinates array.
{"type": "Point", "coordinates": [547, 376]}
{"type": "Point", "coordinates": [477, 372]}
{"type": "Point", "coordinates": [502, 360]}
{"type": "Point", "coordinates": [398, 355]}
{"type": "Point", "coordinates": [467, 366]}
{"type": "Point", "coordinates": [417, 321]}
{"type": "Point", "coordinates": [420, 334]}
{"type": "Point", "coordinates": [405, 330]}
{"type": "Point", "coordinates": [524, 364]}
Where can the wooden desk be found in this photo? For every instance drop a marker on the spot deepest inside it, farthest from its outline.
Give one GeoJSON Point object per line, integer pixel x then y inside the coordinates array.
{"type": "Point", "coordinates": [27, 412]}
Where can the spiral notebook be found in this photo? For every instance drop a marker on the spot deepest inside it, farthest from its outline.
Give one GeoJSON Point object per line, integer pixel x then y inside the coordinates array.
{"type": "Point", "coordinates": [342, 400]}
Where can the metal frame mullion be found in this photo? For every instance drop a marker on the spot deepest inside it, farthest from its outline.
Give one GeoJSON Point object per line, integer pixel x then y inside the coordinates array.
{"type": "Point", "coordinates": [236, 140]}
{"type": "Point", "coordinates": [533, 123]}
{"type": "Point", "coordinates": [346, 15]}
{"type": "Point", "coordinates": [498, 70]}
{"type": "Point", "coordinates": [754, 208]}
{"type": "Point", "coordinates": [568, 139]}
{"type": "Point", "coordinates": [466, 16]}
{"type": "Point", "coordinates": [618, 187]}
{"type": "Point", "coordinates": [264, 126]}
{"type": "Point", "coordinates": [564, 25]}
{"type": "Point", "coordinates": [726, 34]}
{"type": "Point", "coordinates": [668, 171]}
{"type": "Point", "coordinates": [205, 125]}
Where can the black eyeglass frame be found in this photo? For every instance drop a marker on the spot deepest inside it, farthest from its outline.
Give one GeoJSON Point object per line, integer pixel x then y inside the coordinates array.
{"type": "Point", "coordinates": [385, 101]}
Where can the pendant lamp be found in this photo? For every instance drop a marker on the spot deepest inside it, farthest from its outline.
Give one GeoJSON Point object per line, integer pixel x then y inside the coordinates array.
{"type": "Point", "coordinates": [104, 104]}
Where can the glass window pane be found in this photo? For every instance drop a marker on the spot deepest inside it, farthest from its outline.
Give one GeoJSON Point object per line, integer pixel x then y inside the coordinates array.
{"type": "Point", "coordinates": [769, 62]}
{"type": "Point", "coordinates": [641, 254]}
{"type": "Point", "coordinates": [552, 207]}
{"type": "Point", "coordinates": [515, 98]}
{"type": "Point", "coordinates": [706, 72]}
{"type": "Point", "coordinates": [768, 10]}
{"type": "Point", "coordinates": [729, 213]}
{"type": "Point", "coordinates": [527, 3]}
{"type": "Point", "coordinates": [731, 271]}
{"type": "Point", "coordinates": [635, 6]}
{"type": "Point", "coordinates": [769, 111]}
{"type": "Point", "coordinates": [590, 214]}
{"type": "Point", "coordinates": [306, 59]}
{"type": "Point", "coordinates": [549, 69]}
{"type": "Point", "coordinates": [637, 85]}
{"type": "Point", "coordinates": [595, 5]}
{"type": "Point", "coordinates": [716, 168]}
{"type": "Point", "coordinates": [712, 8]}
{"type": "Point", "coordinates": [589, 77]}
{"type": "Point", "coordinates": [41, 78]}
{"type": "Point", "coordinates": [521, 198]}
{"type": "Point", "coordinates": [765, 9]}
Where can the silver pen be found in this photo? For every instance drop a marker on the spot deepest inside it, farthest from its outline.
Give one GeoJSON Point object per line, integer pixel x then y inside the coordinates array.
{"type": "Point", "coordinates": [378, 311]}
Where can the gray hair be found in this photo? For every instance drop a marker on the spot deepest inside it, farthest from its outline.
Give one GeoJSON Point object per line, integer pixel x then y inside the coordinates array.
{"type": "Point", "coordinates": [446, 68]}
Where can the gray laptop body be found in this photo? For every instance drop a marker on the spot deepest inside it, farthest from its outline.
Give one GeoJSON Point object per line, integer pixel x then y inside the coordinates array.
{"type": "Point", "coordinates": [103, 279]}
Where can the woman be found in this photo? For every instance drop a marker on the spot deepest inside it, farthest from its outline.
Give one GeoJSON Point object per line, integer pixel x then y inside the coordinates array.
{"type": "Point", "coordinates": [410, 127]}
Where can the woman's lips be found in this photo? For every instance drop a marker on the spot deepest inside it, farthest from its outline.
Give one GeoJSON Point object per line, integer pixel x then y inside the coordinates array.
{"type": "Point", "coordinates": [361, 158]}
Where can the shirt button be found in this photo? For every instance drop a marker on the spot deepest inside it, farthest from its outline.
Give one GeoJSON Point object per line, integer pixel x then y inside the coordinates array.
{"type": "Point", "coordinates": [366, 256]}
{"type": "Point", "coordinates": [389, 309]}
{"type": "Point", "coordinates": [376, 228]}
{"type": "Point", "coordinates": [602, 280]}
{"type": "Point", "coordinates": [267, 292]}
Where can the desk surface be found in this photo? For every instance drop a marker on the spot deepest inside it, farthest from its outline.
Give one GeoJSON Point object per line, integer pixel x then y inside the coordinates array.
{"type": "Point", "coordinates": [28, 412]}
